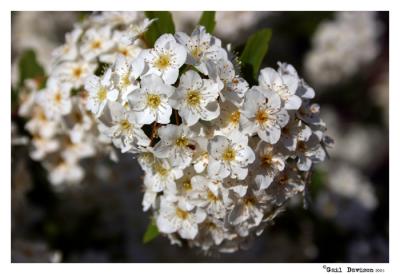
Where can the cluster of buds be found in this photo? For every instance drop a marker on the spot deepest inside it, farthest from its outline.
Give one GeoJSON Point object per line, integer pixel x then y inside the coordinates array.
{"type": "Point", "coordinates": [220, 157]}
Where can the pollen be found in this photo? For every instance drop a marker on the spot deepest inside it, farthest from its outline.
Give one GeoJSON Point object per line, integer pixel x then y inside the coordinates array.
{"type": "Point", "coordinates": [187, 185]}
{"type": "Point", "coordinates": [163, 61]}
{"type": "Point", "coordinates": [249, 201]}
{"type": "Point", "coordinates": [125, 124]}
{"type": "Point", "coordinates": [77, 72]}
{"type": "Point", "coordinates": [193, 98]}
{"type": "Point", "coordinates": [196, 52]}
{"type": "Point", "coordinates": [123, 51]}
{"type": "Point", "coordinates": [266, 160]}
{"type": "Point", "coordinates": [211, 197]}
{"type": "Point", "coordinates": [235, 117]}
{"type": "Point", "coordinates": [57, 97]}
{"type": "Point", "coordinates": [261, 116]}
{"type": "Point", "coordinates": [181, 213]}
{"type": "Point", "coordinates": [125, 81]}
{"type": "Point", "coordinates": [162, 171]}
{"type": "Point", "coordinates": [181, 142]}
{"type": "Point", "coordinates": [153, 100]}
{"type": "Point", "coordinates": [102, 94]}
{"type": "Point", "coordinates": [96, 44]}
{"type": "Point", "coordinates": [229, 154]}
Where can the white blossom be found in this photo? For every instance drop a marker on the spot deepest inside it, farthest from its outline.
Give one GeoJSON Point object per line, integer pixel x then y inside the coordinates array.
{"type": "Point", "coordinates": [165, 58]}
{"type": "Point", "coordinates": [195, 98]}
{"type": "Point", "coordinates": [229, 156]}
{"type": "Point", "coordinates": [174, 219]}
{"type": "Point", "coordinates": [264, 110]}
{"type": "Point", "coordinates": [177, 144]}
{"type": "Point", "coordinates": [101, 90]}
{"type": "Point", "coordinates": [151, 100]}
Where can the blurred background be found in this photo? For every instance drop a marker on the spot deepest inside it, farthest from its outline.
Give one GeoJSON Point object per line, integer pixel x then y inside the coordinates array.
{"type": "Point", "coordinates": [344, 216]}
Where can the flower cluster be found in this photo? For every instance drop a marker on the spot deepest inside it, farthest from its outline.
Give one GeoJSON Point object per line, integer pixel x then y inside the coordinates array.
{"type": "Point", "coordinates": [220, 158]}
{"type": "Point", "coordinates": [337, 52]}
{"type": "Point", "coordinates": [63, 129]}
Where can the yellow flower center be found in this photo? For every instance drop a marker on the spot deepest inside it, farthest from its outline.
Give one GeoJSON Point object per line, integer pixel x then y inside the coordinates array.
{"type": "Point", "coordinates": [125, 124]}
{"type": "Point", "coordinates": [123, 51]}
{"type": "Point", "coordinates": [77, 72]}
{"type": "Point", "coordinates": [261, 116]}
{"type": "Point", "coordinates": [181, 213]}
{"type": "Point", "coordinates": [211, 197]}
{"type": "Point", "coordinates": [102, 94]}
{"type": "Point", "coordinates": [266, 160]}
{"type": "Point", "coordinates": [229, 154]}
{"type": "Point", "coordinates": [187, 185]}
{"type": "Point", "coordinates": [153, 100]}
{"type": "Point", "coordinates": [193, 98]}
{"type": "Point", "coordinates": [235, 117]}
{"type": "Point", "coordinates": [125, 81]}
{"type": "Point", "coordinates": [163, 61]}
{"type": "Point", "coordinates": [196, 52]}
{"type": "Point", "coordinates": [249, 201]}
{"type": "Point", "coordinates": [162, 171]}
{"type": "Point", "coordinates": [181, 142]}
{"type": "Point", "coordinates": [96, 44]}
{"type": "Point", "coordinates": [57, 97]}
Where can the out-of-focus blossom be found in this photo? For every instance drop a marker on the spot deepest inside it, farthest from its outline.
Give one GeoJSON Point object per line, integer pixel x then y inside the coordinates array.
{"type": "Point", "coordinates": [342, 46]}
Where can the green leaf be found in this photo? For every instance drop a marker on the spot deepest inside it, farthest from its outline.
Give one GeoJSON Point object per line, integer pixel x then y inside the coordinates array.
{"type": "Point", "coordinates": [163, 24]}
{"type": "Point", "coordinates": [208, 20]}
{"type": "Point", "coordinates": [318, 178]}
{"type": "Point", "coordinates": [254, 52]}
{"type": "Point", "coordinates": [29, 67]}
{"type": "Point", "coordinates": [151, 232]}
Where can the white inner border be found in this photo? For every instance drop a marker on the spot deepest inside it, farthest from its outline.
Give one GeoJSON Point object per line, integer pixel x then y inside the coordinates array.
{"type": "Point", "coordinates": [5, 73]}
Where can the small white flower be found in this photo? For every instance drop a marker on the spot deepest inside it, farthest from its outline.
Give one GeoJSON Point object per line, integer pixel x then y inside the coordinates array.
{"type": "Point", "coordinates": [231, 119]}
{"type": "Point", "coordinates": [43, 146]}
{"type": "Point", "coordinates": [248, 211]}
{"type": "Point", "coordinates": [151, 100]}
{"type": "Point", "coordinates": [73, 152]}
{"type": "Point", "coordinates": [210, 195]}
{"type": "Point", "coordinates": [69, 51]}
{"type": "Point", "coordinates": [65, 171]}
{"type": "Point", "coordinates": [269, 163]}
{"type": "Point", "coordinates": [195, 98]}
{"type": "Point", "coordinates": [96, 42]}
{"type": "Point", "coordinates": [177, 144]}
{"type": "Point", "coordinates": [235, 87]}
{"type": "Point", "coordinates": [286, 184]}
{"type": "Point", "coordinates": [122, 47]}
{"type": "Point", "coordinates": [79, 121]}
{"type": "Point", "coordinates": [304, 91]}
{"type": "Point", "coordinates": [40, 125]}
{"type": "Point", "coordinates": [174, 219]}
{"type": "Point", "coordinates": [229, 156]}
{"type": "Point", "coordinates": [124, 130]}
{"type": "Point", "coordinates": [204, 50]}
{"type": "Point", "coordinates": [149, 196]}
{"type": "Point", "coordinates": [56, 99]}
{"type": "Point", "coordinates": [124, 76]}
{"type": "Point", "coordinates": [165, 58]}
{"type": "Point", "coordinates": [284, 85]}
{"type": "Point", "coordinates": [101, 91]}
{"type": "Point", "coordinates": [264, 110]}
{"type": "Point", "coordinates": [293, 132]}
{"type": "Point", "coordinates": [163, 176]}
{"type": "Point", "coordinates": [75, 73]}
{"type": "Point", "coordinates": [136, 30]}
{"type": "Point", "coordinates": [308, 152]}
